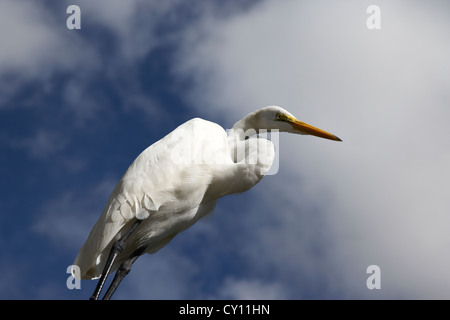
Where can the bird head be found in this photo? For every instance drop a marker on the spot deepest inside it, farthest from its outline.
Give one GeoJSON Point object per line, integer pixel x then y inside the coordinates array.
{"type": "Point", "coordinates": [277, 118]}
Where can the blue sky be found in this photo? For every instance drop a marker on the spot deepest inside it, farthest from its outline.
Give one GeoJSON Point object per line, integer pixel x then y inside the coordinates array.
{"type": "Point", "coordinates": [77, 106]}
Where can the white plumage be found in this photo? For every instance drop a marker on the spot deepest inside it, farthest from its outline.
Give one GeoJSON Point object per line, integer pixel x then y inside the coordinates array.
{"type": "Point", "coordinates": [179, 179]}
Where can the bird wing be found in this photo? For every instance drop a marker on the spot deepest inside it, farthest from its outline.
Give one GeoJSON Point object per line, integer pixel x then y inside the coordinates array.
{"type": "Point", "coordinates": [172, 175]}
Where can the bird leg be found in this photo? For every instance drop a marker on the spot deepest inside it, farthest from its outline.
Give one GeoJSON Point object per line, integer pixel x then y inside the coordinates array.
{"type": "Point", "coordinates": [123, 270]}
{"type": "Point", "coordinates": [116, 249]}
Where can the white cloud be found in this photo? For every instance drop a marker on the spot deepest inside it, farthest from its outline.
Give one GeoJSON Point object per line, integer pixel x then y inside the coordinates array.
{"type": "Point", "coordinates": [167, 275]}
{"type": "Point", "coordinates": [69, 218]}
{"type": "Point", "coordinates": [34, 45]}
{"type": "Point", "coordinates": [37, 48]}
{"type": "Point", "coordinates": [250, 289]}
{"type": "Point", "coordinates": [381, 194]}
{"type": "Point", "coordinates": [41, 145]}
{"type": "Point", "coordinates": [135, 24]}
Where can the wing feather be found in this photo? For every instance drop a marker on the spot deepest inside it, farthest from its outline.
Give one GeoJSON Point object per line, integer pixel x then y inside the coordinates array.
{"type": "Point", "coordinates": [162, 186]}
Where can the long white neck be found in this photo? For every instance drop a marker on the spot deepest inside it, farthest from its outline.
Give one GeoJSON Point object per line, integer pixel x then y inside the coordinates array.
{"type": "Point", "coordinates": [246, 127]}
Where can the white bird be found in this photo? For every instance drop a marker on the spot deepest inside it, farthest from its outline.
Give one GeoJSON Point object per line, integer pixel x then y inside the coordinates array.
{"type": "Point", "coordinates": [175, 182]}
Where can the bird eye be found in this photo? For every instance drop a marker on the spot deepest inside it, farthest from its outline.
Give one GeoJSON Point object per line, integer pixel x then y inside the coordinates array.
{"type": "Point", "coordinates": [279, 116]}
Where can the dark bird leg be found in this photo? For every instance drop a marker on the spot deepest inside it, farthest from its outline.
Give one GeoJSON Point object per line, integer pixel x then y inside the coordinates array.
{"type": "Point", "coordinates": [116, 249]}
{"type": "Point", "coordinates": [123, 270]}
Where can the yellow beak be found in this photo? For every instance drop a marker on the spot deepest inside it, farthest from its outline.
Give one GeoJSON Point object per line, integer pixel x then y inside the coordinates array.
{"type": "Point", "coordinates": [309, 129]}
{"type": "Point", "coordinates": [305, 128]}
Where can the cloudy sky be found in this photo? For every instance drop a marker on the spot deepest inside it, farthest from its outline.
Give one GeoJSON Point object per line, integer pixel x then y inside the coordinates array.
{"type": "Point", "coordinates": [77, 106]}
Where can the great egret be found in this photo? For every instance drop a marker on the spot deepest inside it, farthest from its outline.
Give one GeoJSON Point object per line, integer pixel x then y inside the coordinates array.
{"type": "Point", "coordinates": [177, 181]}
